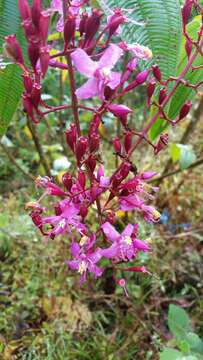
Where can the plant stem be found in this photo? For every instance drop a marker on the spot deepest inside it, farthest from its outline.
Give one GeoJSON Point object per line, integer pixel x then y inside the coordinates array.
{"type": "Point", "coordinates": [73, 96]}
{"type": "Point", "coordinates": [39, 148]}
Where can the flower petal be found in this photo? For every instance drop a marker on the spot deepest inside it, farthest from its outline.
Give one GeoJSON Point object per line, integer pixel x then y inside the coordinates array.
{"type": "Point", "coordinates": [111, 252]}
{"type": "Point", "coordinates": [114, 79]}
{"type": "Point", "coordinates": [110, 57]}
{"type": "Point", "coordinates": [128, 230]}
{"type": "Point", "coordinates": [88, 90]}
{"type": "Point", "coordinates": [83, 63]}
{"type": "Point", "coordinates": [110, 232]}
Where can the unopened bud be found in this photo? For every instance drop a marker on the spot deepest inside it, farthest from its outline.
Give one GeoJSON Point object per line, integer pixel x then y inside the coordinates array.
{"type": "Point", "coordinates": [94, 125]}
{"type": "Point", "coordinates": [120, 111]}
{"type": "Point", "coordinates": [157, 72]}
{"type": "Point", "coordinates": [36, 12]}
{"type": "Point", "coordinates": [71, 136]}
{"type": "Point", "coordinates": [33, 52]}
{"type": "Point", "coordinates": [142, 77]}
{"type": "Point", "coordinates": [83, 210]}
{"type": "Point", "coordinates": [24, 9]}
{"type": "Point", "coordinates": [83, 23]}
{"type": "Point", "coordinates": [91, 163]}
{"type": "Point", "coordinates": [67, 181]}
{"type": "Point", "coordinates": [186, 11]}
{"type": "Point", "coordinates": [44, 59]}
{"type": "Point", "coordinates": [117, 145]}
{"type": "Point", "coordinates": [185, 110]}
{"type": "Point", "coordinates": [161, 143]}
{"type": "Point", "coordinates": [92, 25]}
{"type": "Point", "coordinates": [36, 95]}
{"type": "Point", "coordinates": [44, 26]}
{"type": "Point", "coordinates": [81, 178]}
{"type": "Point", "coordinates": [81, 148]}
{"type": "Point", "coordinates": [94, 140]}
{"type": "Point", "coordinates": [69, 29]}
{"type": "Point", "coordinates": [27, 81]}
{"type": "Point", "coordinates": [150, 90]}
{"type": "Point", "coordinates": [162, 95]}
{"type": "Point", "coordinates": [13, 50]}
{"type": "Point", "coordinates": [128, 141]}
{"type": "Point", "coordinates": [188, 47]}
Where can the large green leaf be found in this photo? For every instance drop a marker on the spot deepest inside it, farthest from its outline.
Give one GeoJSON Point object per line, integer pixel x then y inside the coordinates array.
{"type": "Point", "coordinates": [161, 30]}
{"type": "Point", "coordinates": [182, 93]}
{"type": "Point", "coordinates": [10, 80]}
{"type": "Point", "coordinates": [178, 322]}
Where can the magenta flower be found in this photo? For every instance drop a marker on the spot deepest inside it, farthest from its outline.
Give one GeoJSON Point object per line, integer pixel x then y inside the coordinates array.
{"type": "Point", "coordinates": [125, 245]}
{"type": "Point", "coordinates": [137, 50]}
{"type": "Point", "coordinates": [84, 263]}
{"type": "Point", "coordinates": [100, 73]}
{"type": "Point", "coordinates": [57, 6]}
{"type": "Point", "coordinates": [134, 202]}
{"type": "Point", "coordinates": [68, 215]}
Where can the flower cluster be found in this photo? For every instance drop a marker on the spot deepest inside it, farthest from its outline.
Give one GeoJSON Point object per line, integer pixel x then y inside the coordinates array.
{"type": "Point", "coordinates": [92, 47]}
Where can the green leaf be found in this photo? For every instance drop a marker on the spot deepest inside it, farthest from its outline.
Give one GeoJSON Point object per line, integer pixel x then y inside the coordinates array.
{"type": "Point", "coordinates": [187, 156]}
{"type": "Point", "coordinates": [175, 152]}
{"type": "Point", "coordinates": [170, 354]}
{"type": "Point", "coordinates": [178, 322]}
{"type": "Point", "coordinates": [195, 343]}
{"type": "Point", "coordinates": [161, 30]}
{"type": "Point", "coordinates": [183, 93]}
{"type": "Point", "coordinates": [10, 80]}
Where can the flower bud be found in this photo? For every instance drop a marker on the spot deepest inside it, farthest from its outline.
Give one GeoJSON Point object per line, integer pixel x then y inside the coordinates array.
{"type": "Point", "coordinates": [142, 77]}
{"type": "Point", "coordinates": [91, 163]}
{"type": "Point", "coordinates": [83, 23]}
{"type": "Point", "coordinates": [186, 11]}
{"type": "Point", "coordinates": [36, 95]}
{"type": "Point", "coordinates": [128, 141]}
{"type": "Point", "coordinates": [13, 50]}
{"type": "Point", "coordinates": [94, 140]}
{"type": "Point", "coordinates": [44, 26]}
{"type": "Point", "coordinates": [94, 125]}
{"type": "Point", "coordinates": [71, 136]}
{"type": "Point", "coordinates": [57, 209]}
{"type": "Point", "coordinates": [36, 12]}
{"type": "Point", "coordinates": [157, 72]}
{"type": "Point", "coordinates": [27, 81]}
{"type": "Point", "coordinates": [81, 148]}
{"type": "Point", "coordinates": [69, 29]}
{"type": "Point", "coordinates": [188, 47]}
{"type": "Point", "coordinates": [29, 29]}
{"type": "Point", "coordinates": [161, 144]}
{"type": "Point", "coordinates": [33, 52]}
{"type": "Point", "coordinates": [114, 22]}
{"type": "Point", "coordinates": [24, 9]}
{"type": "Point", "coordinates": [92, 25]}
{"type": "Point", "coordinates": [44, 59]}
{"type": "Point", "coordinates": [162, 95]}
{"type": "Point", "coordinates": [120, 111]}
{"type": "Point", "coordinates": [117, 145]}
{"type": "Point", "coordinates": [28, 106]}
{"type": "Point", "coordinates": [150, 90]}
{"type": "Point", "coordinates": [67, 181]}
{"type": "Point", "coordinates": [81, 178]}
{"type": "Point", "coordinates": [108, 92]}
{"type": "Point", "coordinates": [185, 110]}
{"type": "Point", "coordinates": [125, 169]}
{"type": "Point", "coordinates": [83, 210]}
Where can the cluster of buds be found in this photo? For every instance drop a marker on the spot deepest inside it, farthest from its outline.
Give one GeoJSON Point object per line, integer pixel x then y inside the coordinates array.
{"type": "Point", "coordinates": [88, 50]}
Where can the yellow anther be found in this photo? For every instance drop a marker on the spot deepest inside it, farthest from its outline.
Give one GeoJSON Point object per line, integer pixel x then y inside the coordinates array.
{"type": "Point", "coordinates": [127, 240]}
{"type": "Point", "coordinates": [82, 267]}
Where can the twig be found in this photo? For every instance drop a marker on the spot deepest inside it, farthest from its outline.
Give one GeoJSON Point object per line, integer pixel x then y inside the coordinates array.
{"type": "Point", "coordinates": [195, 164]}
{"type": "Point", "coordinates": [14, 162]}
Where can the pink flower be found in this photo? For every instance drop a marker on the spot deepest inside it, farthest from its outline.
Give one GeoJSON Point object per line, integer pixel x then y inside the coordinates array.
{"type": "Point", "coordinates": [125, 245]}
{"type": "Point", "coordinates": [57, 6]}
{"type": "Point", "coordinates": [99, 73]}
{"type": "Point", "coordinates": [85, 262]}
{"type": "Point", "coordinates": [68, 215]}
{"type": "Point", "coordinates": [139, 51]}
